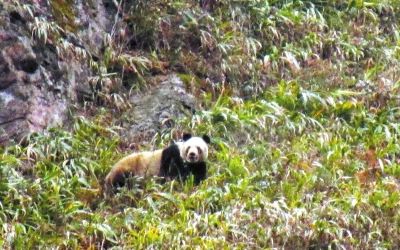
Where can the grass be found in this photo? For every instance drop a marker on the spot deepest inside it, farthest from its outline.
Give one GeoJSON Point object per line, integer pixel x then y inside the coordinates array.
{"type": "Point", "coordinates": [300, 102]}
{"type": "Point", "coordinates": [280, 178]}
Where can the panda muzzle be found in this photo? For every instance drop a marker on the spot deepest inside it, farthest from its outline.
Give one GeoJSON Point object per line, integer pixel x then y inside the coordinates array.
{"type": "Point", "coordinates": [192, 157]}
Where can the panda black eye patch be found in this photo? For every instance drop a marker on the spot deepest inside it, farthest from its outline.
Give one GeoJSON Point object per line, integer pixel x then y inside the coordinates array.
{"type": "Point", "coordinates": [199, 150]}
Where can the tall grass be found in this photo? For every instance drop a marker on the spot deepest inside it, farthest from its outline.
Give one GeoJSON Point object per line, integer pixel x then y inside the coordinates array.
{"type": "Point", "coordinates": [281, 174]}
{"type": "Point", "coordinates": [300, 99]}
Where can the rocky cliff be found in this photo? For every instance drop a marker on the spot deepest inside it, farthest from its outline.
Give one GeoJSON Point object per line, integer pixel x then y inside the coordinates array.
{"type": "Point", "coordinates": [48, 49]}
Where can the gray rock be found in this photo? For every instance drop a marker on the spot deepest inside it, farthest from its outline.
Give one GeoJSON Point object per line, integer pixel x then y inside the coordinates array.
{"type": "Point", "coordinates": [36, 85]}
{"type": "Point", "coordinates": [27, 104]}
{"type": "Point", "coordinates": [157, 109]}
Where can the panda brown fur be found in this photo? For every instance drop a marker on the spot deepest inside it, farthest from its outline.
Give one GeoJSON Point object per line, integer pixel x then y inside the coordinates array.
{"type": "Point", "coordinates": [179, 160]}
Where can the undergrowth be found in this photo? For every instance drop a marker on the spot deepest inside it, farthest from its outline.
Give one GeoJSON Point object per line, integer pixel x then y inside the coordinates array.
{"type": "Point", "coordinates": [292, 169]}
{"type": "Point", "coordinates": [300, 99]}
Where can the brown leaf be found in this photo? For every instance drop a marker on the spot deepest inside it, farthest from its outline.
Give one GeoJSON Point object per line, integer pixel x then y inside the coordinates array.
{"type": "Point", "coordinates": [370, 158]}
{"type": "Point", "coordinates": [368, 176]}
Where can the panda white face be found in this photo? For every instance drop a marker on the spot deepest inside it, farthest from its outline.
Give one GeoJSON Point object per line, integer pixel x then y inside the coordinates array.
{"type": "Point", "coordinates": [194, 149]}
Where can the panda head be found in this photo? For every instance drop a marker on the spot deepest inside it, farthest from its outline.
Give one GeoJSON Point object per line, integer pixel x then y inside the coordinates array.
{"type": "Point", "coordinates": [194, 149]}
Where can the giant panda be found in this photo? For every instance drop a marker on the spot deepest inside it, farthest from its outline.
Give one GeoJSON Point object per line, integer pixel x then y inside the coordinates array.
{"type": "Point", "coordinates": [179, 160]}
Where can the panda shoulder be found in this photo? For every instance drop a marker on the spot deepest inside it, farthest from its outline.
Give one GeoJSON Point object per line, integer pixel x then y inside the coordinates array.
{"type": "Point", "coordinates": [173, 148]}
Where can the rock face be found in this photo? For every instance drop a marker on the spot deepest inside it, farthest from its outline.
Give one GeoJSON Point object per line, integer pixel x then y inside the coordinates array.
{"type": "Point", "coordinates": [157, 109]}
{"type": "Point", "coordinates": [36, 84]}
{"type": "Point", "coordinates": [27, 102]}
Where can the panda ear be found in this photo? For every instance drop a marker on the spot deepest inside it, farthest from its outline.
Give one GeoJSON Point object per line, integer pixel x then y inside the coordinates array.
{"type": "Point", "coordinates": [187, 136]}
{"type": "Point", "coordinates": [207, 139]}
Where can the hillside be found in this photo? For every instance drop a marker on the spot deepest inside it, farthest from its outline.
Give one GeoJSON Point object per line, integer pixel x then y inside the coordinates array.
{"type": "Point", "coordinates": [300, 98]}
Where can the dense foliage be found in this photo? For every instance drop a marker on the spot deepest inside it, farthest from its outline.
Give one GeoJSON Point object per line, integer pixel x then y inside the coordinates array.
{"type": "Point", "coordinates": [301, 100]}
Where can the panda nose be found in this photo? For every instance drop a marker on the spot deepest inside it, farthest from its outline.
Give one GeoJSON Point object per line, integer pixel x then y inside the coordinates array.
{"type": "Point", "coordinates": [191, 154]}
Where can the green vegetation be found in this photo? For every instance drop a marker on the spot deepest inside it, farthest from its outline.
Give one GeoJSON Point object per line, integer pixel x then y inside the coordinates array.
{"type": "Point", "coordinates": [308, 158]}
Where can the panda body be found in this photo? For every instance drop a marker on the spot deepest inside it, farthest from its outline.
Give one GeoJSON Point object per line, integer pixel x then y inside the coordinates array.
{"type": "Point", "coordinates": [179, 160]}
